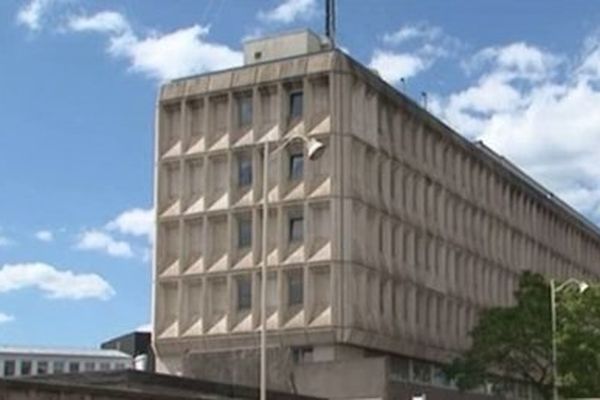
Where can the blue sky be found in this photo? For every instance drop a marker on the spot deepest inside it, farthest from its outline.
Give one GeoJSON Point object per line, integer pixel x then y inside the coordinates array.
{"type": "Point", "coordinates": [78, 82]}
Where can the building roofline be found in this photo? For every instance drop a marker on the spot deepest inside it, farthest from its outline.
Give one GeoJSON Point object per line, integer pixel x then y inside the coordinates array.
{"type": "Point", "coordinates": [279, 34]}
{"type": "Point", "coordinates": [63, 352]}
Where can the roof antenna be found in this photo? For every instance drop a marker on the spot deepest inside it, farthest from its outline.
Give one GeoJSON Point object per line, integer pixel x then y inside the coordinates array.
{"type": "Point", "coordinates": [330, 21]}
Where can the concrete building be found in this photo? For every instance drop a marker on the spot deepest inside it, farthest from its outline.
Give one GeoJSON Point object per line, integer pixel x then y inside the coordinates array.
{"type": "Point", "coordinates": [29, 361]}
{"type": "Point", "coordinates": [381, 252]}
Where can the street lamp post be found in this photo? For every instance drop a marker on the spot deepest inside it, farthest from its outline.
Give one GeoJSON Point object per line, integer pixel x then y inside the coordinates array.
{"type": "Point", "coordinates": [553, 291]}
{"type": "Point", "coordinates": [314, 149]}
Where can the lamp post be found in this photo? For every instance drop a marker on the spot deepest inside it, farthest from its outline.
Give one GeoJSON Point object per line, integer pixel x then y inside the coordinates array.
{"type": "Point", "coordinates": [314, 149]}
{"type": "Point", "coordinates": [582, 286]}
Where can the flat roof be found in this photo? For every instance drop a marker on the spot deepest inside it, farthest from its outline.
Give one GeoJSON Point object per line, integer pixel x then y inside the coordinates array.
{"type": "Point", "coordinates": [64, 352]}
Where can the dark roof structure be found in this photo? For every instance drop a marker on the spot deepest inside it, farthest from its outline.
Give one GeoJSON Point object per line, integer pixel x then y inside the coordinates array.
{"type": "Point", "coordinates": [130, 384]}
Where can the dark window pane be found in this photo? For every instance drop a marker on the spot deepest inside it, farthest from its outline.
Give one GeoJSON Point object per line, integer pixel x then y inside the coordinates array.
{"type": "Point", "coordinates": [245, 111]}
{"type": "Point", "coordinates": [296, 166]}
{"type": "Point", "coordinates": [244, 233]}
{"type": "Point", "coordinates": [120, 366]}
{"type": "Point", "coordinates": [25, 367]}
{"type": "Point", "coordinates": [244, 293]}
{"type": "Point", "coordinates": [9, 367]}
{"type": "Point", "coordinates": [58, 367]}
{"type": "Point", "coordinates": [42, 367]}
{"type": "Point", "coordinates": [245, 171]}
{"type": "Point", "coordinates": [73, 367]}
{"type": "Point", "coordinates": [421, 372]}
{"type": "Point", "coordinates": [296, 229]}
{"type": "Point", "coordinates": [295, 288]}
{"type": "Point", "coordinates": [104, 366]}
{"type": "Point", "coordinates": [296, 106]}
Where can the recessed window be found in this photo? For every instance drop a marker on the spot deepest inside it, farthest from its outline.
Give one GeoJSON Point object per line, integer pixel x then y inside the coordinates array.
{"type": "Point", "coordinates": [244, 171]}
{"type": "Point", "coordinates": [296, 166]}
{"type": "Point", "coordinates": [120, 366]}
{"type": "Point", "coordinates": [244, 232]}
{"type": "Point", "coordinates": [89, 366]}
{"type": "Point", "coordinates": [25, 367]}
{"type": "Point", "coordinates": [58, 367]}
{"type": "Point", "coordinates": [296, 228]}
{"type": "Point", "coordinates": [296, 105]}
{"type": "Point", "coordinates": [295, 288]}
{"type": "Point", "coordinates": [245, 110]}
{"type": "Point", "coordinates": [73, 367]}
{"type": "Point", "coordinates": [244, 293]}
{"type": "Point", "coordinates": [9, 367]}
{"type": "Point", "coordinates": [104, 366]}
{"type": "Point", "coordinates": [257, 55]}
{"type": "Point", "coordinates": [42, 367]}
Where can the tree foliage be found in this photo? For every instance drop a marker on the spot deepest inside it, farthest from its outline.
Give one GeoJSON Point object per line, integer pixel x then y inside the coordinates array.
{"type": "Point", "coordinates": [515, 343]}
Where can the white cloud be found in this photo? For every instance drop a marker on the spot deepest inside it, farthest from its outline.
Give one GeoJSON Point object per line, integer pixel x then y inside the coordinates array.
{"type": "Point", "coordinates": [161, 56]}
{"type": "Point", "coordinates": [32, 13]}
{"type": "Point", "coordinates": [57, 284]}
{"type": "Point", "coordinates": [517, 60]}
{"type": "Point", "coordinates": [411, 32]}
{"type": "Point", "coordinates": [541, 112]}
{"type": "Point", "coordinates": [44, 235]}
{"type": "Point", "coordinates": [104, 22]}
{"type": "Point", "coordinates": [102, 241]}
{"type": "Point", "coordinates": [289, 11]}
{"type": "Point", "coordinates": [136, 222]}
{"type": "Point", "coordinates": [394, 66]}
{"type": "Point", "coordinates": [411, 50]}
{"type": "Point", "coordinates": [4, 318]}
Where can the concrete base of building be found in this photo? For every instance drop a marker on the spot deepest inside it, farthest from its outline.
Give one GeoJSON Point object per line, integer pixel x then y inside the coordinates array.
{"type": "Point", "coordinates": [293, 370]}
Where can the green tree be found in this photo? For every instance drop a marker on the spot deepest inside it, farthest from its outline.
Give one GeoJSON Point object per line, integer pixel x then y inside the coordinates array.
{"type": "Point", "coordinates": [515, 343]}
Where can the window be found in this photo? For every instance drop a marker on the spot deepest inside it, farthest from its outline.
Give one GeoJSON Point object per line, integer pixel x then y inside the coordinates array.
{"type": "Point", "coordinates": [89, 366]}
{"type": "Point", "coordinates": [302, 354]}
{"type": "Point", "coordinates": [421, 372]}
{"type": "Point", "coordinates": [9, 367]}
{"type": "Point", "coordinates": [58, 367]}
{"type": "Point", "coordinates": [26, 367]}
{"type": "Point", "coordinates": [42, 367]}
{"type": "Point", "coordinates": [244, 293]}
{"type": "Point", "coordinates": [296, 233]}
{"type": "Point", "coordinates": [119, 366]}
{"type": "Point", "coordinates": [73, 367]}
{"type": "Point", "coordinates": [296, 105]}
{"type": "Point", "coordinates": [295, 288]}
{"type": "Point", "coordinates": [244, 232]}
{"type": "Point", "coordinates": [245, 110]}
{"type": "Point", "coordinates": [296, 166]}
{"type": "Point", "coordinates": [104, 366]}
{"type": "Point", "coordinates": [244, 171]}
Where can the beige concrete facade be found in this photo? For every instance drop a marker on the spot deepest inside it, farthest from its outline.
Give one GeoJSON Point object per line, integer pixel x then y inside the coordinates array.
{"type": "Point", "coordinates": [408, 229]}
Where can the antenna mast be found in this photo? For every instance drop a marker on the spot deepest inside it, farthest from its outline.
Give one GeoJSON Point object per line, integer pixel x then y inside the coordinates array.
{"type": "Point", "coordinates": [330, 21]}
